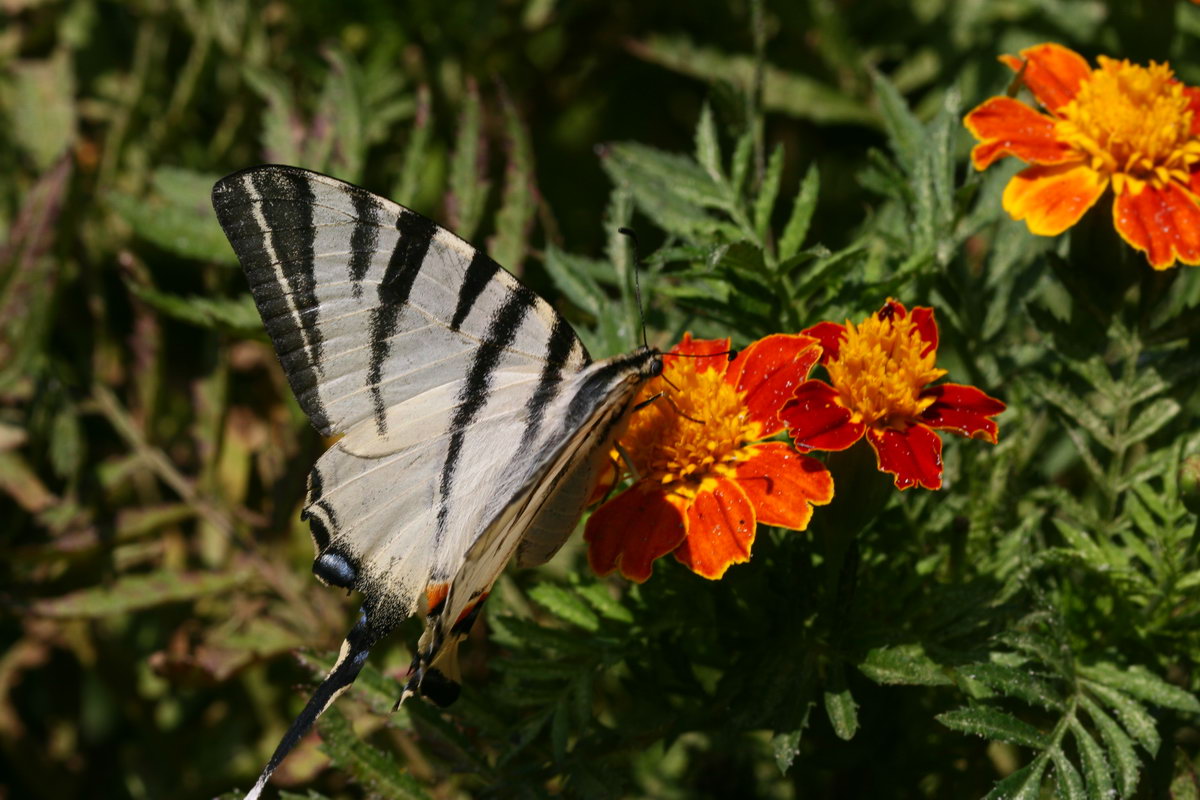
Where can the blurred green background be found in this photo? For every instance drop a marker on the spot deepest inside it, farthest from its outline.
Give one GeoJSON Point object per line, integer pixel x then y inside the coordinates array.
{"type": "Point", "coordinates": [155, 575]}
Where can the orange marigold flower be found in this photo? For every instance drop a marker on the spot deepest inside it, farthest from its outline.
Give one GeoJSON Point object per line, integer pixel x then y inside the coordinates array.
{"type": "Point", "coordinates": [703, 477]}
{"type": "Point", "coordinates": [881, 371]}
{"type": "Point", "coordinates": [1123, 125]}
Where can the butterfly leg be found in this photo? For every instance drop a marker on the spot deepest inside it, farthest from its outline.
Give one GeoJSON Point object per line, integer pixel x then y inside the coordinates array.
{"type": "Point", "coordinates": [435, 673]}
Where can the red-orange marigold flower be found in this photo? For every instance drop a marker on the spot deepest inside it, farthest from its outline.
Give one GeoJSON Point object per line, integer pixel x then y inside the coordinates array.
{"type": "Point", "coordinates": [1132, 127]}
{"type": "Point", "coordinates": [704, 478]}
{"type": "Point", "coordinates": [881, 371]}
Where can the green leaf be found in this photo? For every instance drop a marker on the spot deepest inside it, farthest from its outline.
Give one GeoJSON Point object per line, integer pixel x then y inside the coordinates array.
{"type": "Point", "coordinates": [1132, 714]}
{"type": "Point", "coordinates": [1151, 419]}
{"type": "Point", "coordinates": [1023, 784]}
{"type": "Point", "coordinates": [1120, 746]}
{"type": "Point", "coordinates": [1077, 410]}
{"type": "Point", "coordinates": [785, 92]}
{"type": "Point", "coordinates": [708, 147]}
{"type": "Point", "coordinates": [786, 745]}
{"type": "Point", "coordinates": [601, 599]}
{"type": "Point", "coordinates": [1015, 682]}
{"type": "Point", "coordinates": [416, 150]}
{"type": "Point", "coordinates": [992, 723]}
{"type": "Point", "coordinates": [905, 133]}
{"type": "Point", "coordinates": [1142, 684]}
{"type": "Point", "coordinates": [136, 592]}
{"type": "Point", "coordinates": [565, 605]}
{"type": "Point", "coordinates": [842, 712]}
{"type": "Point", "coordinates": [764, 204]}
{"type": "Point", "coordinates": [186, 229]}
{"type": "Point", "coordinates": [742, 153]}
{"type": "Point", "coordinates": [468, 177]}
{"type": "Point", "coordinates": [905, 665]}
{"type": "Point", "coordinates": [1068, 784]}
{"type": "Point", "coordinates": [518, 201]}
{"type": "Point", "coordinates": [235, 314]}
{"type": "Point", "coordinates": [570, 276]}
{"type": "Point", "coordinates": [374, 769]}
{"type": "Point", "coordinates": [796, 229]}
{"type": "Point", "coordinates": [560, 728]}
{"type": "Point", "coordinates": [41, 107]}
{"type": "Point", "coordinates": [1095, 765]}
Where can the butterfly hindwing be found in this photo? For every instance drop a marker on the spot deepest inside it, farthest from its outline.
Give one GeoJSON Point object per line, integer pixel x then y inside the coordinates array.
{"type": "Point", "coordinates": [473, 418]}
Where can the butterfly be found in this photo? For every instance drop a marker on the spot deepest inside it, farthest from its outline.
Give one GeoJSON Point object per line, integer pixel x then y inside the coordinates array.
{"type": "Point", "coordinates": [473, 422]}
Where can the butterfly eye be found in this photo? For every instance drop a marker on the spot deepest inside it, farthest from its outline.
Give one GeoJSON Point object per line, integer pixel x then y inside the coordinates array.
{"type": "Point", "coordinates": [656, 367]}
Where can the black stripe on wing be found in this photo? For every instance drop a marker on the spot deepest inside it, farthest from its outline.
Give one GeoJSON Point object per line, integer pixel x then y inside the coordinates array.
{"type": "Point", "coordinates": [558, 350]}
{"type": "Point", "coordinates": [479, 274]}
{"type": "Point", "coordinates": [476, 390]}
{"type": "Point", "coordinates": [415, 234]}
{"type": "Point", "coordinates": [268, 217]}
{"type": "Point", "coordinates": [364, 239]}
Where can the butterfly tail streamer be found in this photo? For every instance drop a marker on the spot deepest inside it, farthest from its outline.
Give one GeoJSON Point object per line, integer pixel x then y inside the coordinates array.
{"type": "Point", "coordinates": [355, 649]}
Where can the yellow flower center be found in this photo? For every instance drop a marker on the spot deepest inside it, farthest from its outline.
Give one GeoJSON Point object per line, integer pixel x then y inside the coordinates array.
{"type": "Point", "coordinates": [879, 372]}
{"type": "Point", "coordinates": [680, 453]}
{"type": "Point", "coordinates": [1134, 124]}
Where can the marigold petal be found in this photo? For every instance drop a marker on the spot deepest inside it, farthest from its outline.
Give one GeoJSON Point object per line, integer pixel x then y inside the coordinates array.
{"type": "Point", "coordinates": [1162, 223]}
{"type": "Point", "coordinates": [721, 528]}
{"type": "Point", "coordinates": [1052, 198]}
{"type": "Point", "coordinates": [605, 479]}
{"type": "Point", "coordinates": [817, 421]}
{"type": "Point", "coordinates": [1052, 72]}
{"type": "Point", "coordinates": [767, 373]}
{"type": "Point", "coordinates": [704, 347]}
{"type": "Point", "coordinates": [784, 485]}
{"type": "Point", "coordinates": [927, 328]}
{"type": "Point", "coordinates": [633, 529]}
{"type": "Point", "coordinates": [965, 410]}
{"type": "Point", "coordinates": [913, 455]}
{"type": "Point", "coordinates": [1008, 127]}
{"type": "Point", "coordinates": [829, 334]}
{"type": "Point", "coordinates": [1193, 95]}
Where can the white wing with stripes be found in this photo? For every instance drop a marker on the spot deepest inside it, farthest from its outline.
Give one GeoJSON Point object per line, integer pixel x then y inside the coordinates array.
{"type": "Point", "coordinates": [473, 416]}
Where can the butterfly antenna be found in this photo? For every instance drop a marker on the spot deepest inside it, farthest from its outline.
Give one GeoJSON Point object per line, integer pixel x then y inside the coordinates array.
{"type": "Point", "coordinates": [354, 654]}
{"type": "Point", "coordinates": [637, 282]}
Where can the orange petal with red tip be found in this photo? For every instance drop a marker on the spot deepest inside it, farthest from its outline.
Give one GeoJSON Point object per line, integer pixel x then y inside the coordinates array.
{"type": "Point", "coordinates": [1052, 199]}
{"type": "Point", "coordinates": [1052, 72]}
{"type": "Point", "coordinates": [704, 347]}
{"type": "Point", "coordinates": [784, 485]}
{"type": "Point", "coordinates": [721, 528]}
{"type": "Point", "coordinates": [1162, 223]}
{"type": "Point", "coordinates": [817, 421]}
{"type": "Point", "coordinates": [964, 410]}
{"type": "Point", "coordinates": [767, 373]}
{"type": "Point", "coordinates": [829, 334]}
{"type": "Point", "coordinates": [913, 455]}
{"type": "Point", "coordinates": [1008, 127]}
{"type": "Point", "coordinates": [927, 329]}
{"type": "Point", "coordinates": [633, 529]}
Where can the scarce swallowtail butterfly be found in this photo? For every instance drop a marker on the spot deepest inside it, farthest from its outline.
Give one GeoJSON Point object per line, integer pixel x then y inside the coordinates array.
{"type": "Point", "coordinates": [473, 421]}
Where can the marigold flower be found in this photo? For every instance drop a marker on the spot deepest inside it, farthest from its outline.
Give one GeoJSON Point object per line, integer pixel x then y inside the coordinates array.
{"type": "Point", "coordinates": [881, 371]}
{"type": "Point", "coordinates": [703, 477]}
{"type": "Point", "coordinates": [1125, 125]}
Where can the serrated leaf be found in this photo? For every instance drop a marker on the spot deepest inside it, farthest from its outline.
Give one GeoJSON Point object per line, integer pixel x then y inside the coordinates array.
{"type": "Point", "coordinates": [1067, 783]}
{"type": "Point", "coordinates": [764, 204]}
{"type": "Point", "coordinates": [708, 147]}
{"type": "Point", "coordinates": [842, 712]}
{"type": "Point", "coordinates": [598, 596]}
{"type": "Point", "coordinates": [1142, 684]}
{"type": "Point", "coordinates": [565, 605]}
{"type": "Point", "coordinates": [1078, 410]}
{"type": "Point", "coordinates": [468, 179]}
{"type": "Point", "coordinates": [236, 314]}
{"type": "Point", "coordinates": [415, 150]}
{"type": "Point", "coordinates": [783, 91]}
{"type": "Point", "coordinates": [518, 202]}
{"type": "Point", "coordinates": [796, 229]}
{"type": "Point", "coordinates": [1150, 420]}
{"type": "Point", "coordinates": [136, 592]}
{"type": "Point", "coordinates": [992, 723]}
{"type": "Point", "coordinates": [742, 152]}
{"type": "Point", "coordinates": [905, 665]}
{"type": "Point", "coordinates": [1023, 784]}
{"type": "Point", "coordinates": [1095, 765]}
{"type": "Point", "coordinates": [674, 175]}
{"type": "Point", "coordinates": [786, 745]}
{"type": "Point", "coordinates": [1133, 715]}
{"type": "Point", "coordinates": [376, 770]}
{"type": "Point", "coordinates": [570, 276]}
{"type": "Point", "coordinates": [1015, 682]}
{"type": "Point", "coordinates": [1120, 747]}
{"type": "Point", "coordinates": [905, 133]}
